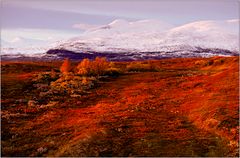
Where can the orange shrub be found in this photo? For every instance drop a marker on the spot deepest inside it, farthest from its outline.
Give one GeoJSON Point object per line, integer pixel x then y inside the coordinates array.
{"type": "Point", "coordinates": [99, 66]}
{"type": "Point", "coordinates": [92, 68]}
{"type": "Point", "coordinates": [84, 67]}
{"type": "Point", "coordinates": [70, 84]}
{"type": "Point", "coordinates": [66, 66]}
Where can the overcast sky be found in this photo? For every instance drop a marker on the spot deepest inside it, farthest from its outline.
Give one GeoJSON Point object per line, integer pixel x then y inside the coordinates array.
{"type": "Point", "coordinates": [63, 15]}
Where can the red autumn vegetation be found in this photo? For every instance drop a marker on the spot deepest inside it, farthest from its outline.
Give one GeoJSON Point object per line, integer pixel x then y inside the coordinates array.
{"type": "Point", "coordinates": [92, 68]}
{"type": "Point", "coordinates": [66, 66]}
{"type": "Point", "coordinates": [169, 107]}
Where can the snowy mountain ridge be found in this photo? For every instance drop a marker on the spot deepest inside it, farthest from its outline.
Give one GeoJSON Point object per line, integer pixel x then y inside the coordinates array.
{"type": "Point", "coordinates": [155, 36]}
{"type": "Point", "coordinates": [141, 39]}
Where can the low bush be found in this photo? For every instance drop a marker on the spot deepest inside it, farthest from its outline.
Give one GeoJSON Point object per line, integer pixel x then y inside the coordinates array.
{"type": "Point", "coordinates": [69, 84]}
{"type": "Point", "coordinates": [200, 62]}
{"type": "Point", "coordinates": [113, 72]}
{"type": "Point", "coordinates": [210, 62]}
{"type": "Point", "coordinates": [97, 67]}
{"type": "Point", "coordinates": [66, 66]}
{"type": "Point", "coordinates": [218, 61]}
{"type": "Point", "coordinates": [45, 77]}
{"type": "Point", "coordinates": [141, 67]}
{"type": "Point", "coordinates": [84, 67]}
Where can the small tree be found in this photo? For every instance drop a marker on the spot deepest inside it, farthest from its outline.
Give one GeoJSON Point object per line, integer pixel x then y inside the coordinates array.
{"type": "Point", "coordinates": [84, 67]}
{"type": "Point", "coordinates": [100, 65]}
{"type": "Point", "coordinates": [66, 66]}
{"type": "Point", "coordinates": [92, 68]}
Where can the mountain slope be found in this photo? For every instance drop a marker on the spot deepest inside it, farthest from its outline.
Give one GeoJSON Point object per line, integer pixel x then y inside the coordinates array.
{"type": "Point", "coordinates": [147, 39]}
{"type": "Point", "coordinates": [207, 34]}
{"type": "Point", "coordinates": [203, 38]}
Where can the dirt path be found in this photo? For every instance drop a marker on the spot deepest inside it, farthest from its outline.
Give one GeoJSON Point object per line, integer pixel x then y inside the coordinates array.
{"type": "Point", "coordinates": [133, 115]}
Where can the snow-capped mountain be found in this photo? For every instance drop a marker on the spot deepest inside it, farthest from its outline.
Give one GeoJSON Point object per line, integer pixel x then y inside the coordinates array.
{"type": "Point", "coordinates": [206, 34]}
{"type": "Point", "coordinates": [122, 36]}
{"type": "Point", "coordinates": [119, 36]}
{"type": "Point", "coordinates": [144, 39]}
{"type": "Point", "coordinates": [120, 26]}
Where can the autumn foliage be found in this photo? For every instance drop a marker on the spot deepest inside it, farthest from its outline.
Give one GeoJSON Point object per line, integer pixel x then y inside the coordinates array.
{"type": "Point", "coordinates": [66, 66]}
{"type": "Point", "coordinates": [185, 107]}
{"type": "Point", "coordinates": [92, 68]}
{"type": "Point", "coordinates": [84, 67]}
{"type": "Point", "coordinates": [83, 78]}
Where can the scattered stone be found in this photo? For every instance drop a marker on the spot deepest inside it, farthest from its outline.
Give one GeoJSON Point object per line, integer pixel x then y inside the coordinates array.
{"type": "Point", "coordinates": [119, 129]}
{"type": "Point", "coordinates": [22, 101]}
{"type": "Point", "coordinates": [75, 95]}
{"type": "Point", "coordinates": [50, 104]}
{"type": "Point", "coordinates": [40, 85]}
{"type": "Point", "coordinates": [8, 115]}
{"type": "Point", "coordinates": [41, 150]}
{"type": "Point", "coordinates": [14, 136]}
{"type": "Point", "coordinates": [32, 103]}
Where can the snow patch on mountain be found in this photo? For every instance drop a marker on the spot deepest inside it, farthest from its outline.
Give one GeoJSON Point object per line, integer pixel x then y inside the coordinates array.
{"type": "Point", "coordinates": [124, 27]}
{"type": "Point", "coordinates": [156, 36]}
{"type": "Point", "coordinates": [143, 38]}
{"type": "Point", "coordinates": [206, 34]}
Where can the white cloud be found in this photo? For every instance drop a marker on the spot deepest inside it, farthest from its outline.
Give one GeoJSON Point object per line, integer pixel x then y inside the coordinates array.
{"type": "Point", "coordinates": [28, 37]}
{"type": "Point", "coordinates": [233, 21]}
{"type": "Point", "coordinates": [84, 26]}
{"type": "Point", "coordinates": [37, 34]}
